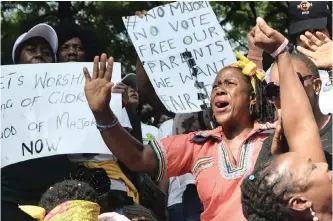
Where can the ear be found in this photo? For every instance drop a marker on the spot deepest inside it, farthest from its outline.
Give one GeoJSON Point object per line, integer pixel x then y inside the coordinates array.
{"type": "Point", "coordinates": [299, 203]}
{"type": "Point", "coordinates": [317, 86]}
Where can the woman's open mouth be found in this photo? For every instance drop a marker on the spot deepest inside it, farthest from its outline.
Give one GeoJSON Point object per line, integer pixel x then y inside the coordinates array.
{"type": "Point", "coordinates": [222, 104]}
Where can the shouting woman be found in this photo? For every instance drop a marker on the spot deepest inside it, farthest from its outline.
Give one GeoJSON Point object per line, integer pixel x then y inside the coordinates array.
{"type": "Point", "coordinates": [219, 159]}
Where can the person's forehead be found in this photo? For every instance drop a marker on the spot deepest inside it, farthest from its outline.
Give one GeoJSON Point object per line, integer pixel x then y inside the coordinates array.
{"type": "Point", "coordinates": [73, 40]}
{"type": "Point", "coordinates": [298, 65]}
{"type": "Point", "coordinates": [229, 73]}
{"type": "Point", "coordinates": [132, 87]}
{"type": "Point", "coordinates": [34, 41]}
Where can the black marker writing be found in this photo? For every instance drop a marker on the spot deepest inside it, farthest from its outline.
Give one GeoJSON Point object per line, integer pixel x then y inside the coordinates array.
{"type": "Point", "coordinates": [58, 97]}
{"type": "Point", "coordinates": [60, 80]}
{"type": "Point", "coordinates": [164, 82]}
{"type": "Point", "coordinates": [8, 131]}
{"type": "Point", "coordinates": [6, 81]}
{"type": "Point", "coordinates": [38, 146]}
{"type": "Point", "coordinates": [8, 104]}
{"type": "Point", "coordinates": [64, 120]}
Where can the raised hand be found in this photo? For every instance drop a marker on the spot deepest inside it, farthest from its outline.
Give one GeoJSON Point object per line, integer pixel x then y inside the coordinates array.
{"type": "Point", "coordinates": [267, 38]}
{"type": "Point", "coordinates": [98, 87]}
{"type": "Point", "coordinates": [318, 49]}
{"type": "Point", "coordinates": [141, 14]}
{"type": "Point", "coordinates": [253, 50]}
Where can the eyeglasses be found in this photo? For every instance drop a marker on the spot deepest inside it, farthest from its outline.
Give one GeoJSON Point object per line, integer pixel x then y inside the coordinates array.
{"type": "Point", "coordinates": [272, 89]}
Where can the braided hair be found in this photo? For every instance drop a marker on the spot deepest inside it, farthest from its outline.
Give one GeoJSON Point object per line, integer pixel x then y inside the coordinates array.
{"type": "Point", "coordinates": [66, 191]}
{"type": "Point", "coordinates": [265, 194]}
{"type": "Point", "coordinates": [263, 110]}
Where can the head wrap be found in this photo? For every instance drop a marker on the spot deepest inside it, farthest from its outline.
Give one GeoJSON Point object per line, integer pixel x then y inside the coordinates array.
{"type": "Point", "coordinates": [75, 210]}
{"type": "Point", "coordinates": [249, 68]}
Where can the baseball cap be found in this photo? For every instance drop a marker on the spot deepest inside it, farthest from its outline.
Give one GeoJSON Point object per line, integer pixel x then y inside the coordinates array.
{"type": "Point", "coordinates": [130, 80]}
{"type": "Point", "coordinates": [307, 15]}
{"type": "Point", "coordinates": [41, 30]}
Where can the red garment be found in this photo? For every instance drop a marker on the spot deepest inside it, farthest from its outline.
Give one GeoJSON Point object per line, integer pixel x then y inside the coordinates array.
{"type": "Point", "coordinates": [218, 175]}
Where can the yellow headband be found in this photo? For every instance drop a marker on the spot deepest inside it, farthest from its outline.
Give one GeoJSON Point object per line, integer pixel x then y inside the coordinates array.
{"type": "Point", "coordinates": [249, 68]}
{"type": "Point", "coordinates": [74, 209]}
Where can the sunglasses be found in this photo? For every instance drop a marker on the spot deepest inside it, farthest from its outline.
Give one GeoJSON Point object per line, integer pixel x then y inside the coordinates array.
{"type": "Point", "coordinates": [272, 89]}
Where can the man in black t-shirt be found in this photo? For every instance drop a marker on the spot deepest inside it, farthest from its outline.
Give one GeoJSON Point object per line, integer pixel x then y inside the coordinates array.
{"type": "Point", "coordinates": [309, 76]}
{"type": "Point", "coordinates": [24, 182]}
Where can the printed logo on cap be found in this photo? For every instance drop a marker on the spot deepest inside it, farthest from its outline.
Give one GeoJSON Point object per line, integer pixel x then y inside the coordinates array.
{"type": "Point", "coordinates": [305, 6]}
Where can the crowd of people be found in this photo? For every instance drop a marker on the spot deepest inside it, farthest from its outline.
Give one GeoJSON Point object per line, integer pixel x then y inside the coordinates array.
{"type": "Point", "coordinates": [269, 156]}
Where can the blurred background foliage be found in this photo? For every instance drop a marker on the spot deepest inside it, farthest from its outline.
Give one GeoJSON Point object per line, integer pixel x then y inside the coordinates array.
{"type": "Point", "coordinates": [236, 18]}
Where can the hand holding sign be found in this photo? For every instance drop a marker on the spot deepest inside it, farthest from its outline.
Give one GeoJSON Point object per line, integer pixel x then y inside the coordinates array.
{"type": "Point", "coordinates": [266, 37]}
{"type": "Point", "coordinates": [122, 89]}
{"type": "Point", "coordinates": [98, 88]}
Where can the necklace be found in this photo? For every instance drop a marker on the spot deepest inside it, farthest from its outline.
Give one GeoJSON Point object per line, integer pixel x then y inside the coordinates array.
{"type": "Point", "coordinates": [228, 169]}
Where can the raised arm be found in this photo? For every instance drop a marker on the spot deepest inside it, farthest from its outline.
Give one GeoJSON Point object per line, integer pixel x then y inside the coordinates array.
{"type": "Point", "coordinates": [127, 149]}
{"type": "Point", "coordinates": [299, 125]}
{"type": "Point", "coordinates": [255, 53]}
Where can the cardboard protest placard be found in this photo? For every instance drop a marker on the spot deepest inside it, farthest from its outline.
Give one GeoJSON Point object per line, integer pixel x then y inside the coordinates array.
{"type": "Point", "coordinates": [44, 111]}
{"type": "Point", "coordinates": [166, 32]}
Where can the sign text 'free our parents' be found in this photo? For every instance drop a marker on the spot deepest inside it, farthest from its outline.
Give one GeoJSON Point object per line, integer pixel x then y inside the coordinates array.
{"type": "Point", "coordinates": [44, 111]}
{"type": "Point", "coordinates": [166, 32]}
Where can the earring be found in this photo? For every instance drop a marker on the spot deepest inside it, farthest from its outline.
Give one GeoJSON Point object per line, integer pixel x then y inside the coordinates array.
{"type": "Point", "coordinates": [314, 215]}
{"type": "Point", "coordinates": [251, 109]}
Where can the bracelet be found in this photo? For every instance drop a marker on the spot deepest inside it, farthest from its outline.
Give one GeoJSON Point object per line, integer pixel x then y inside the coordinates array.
{"type": "Point", "coordinates": [103, 127]}
{"type": "Point", "coordinates": [255, 58]}
{"type": "Point", "coordinates": [280, 49]}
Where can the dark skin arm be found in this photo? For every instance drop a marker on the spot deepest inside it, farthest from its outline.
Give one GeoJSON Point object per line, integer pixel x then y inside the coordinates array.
{"type": "Point", "coordinates": [254, 51]}
{"type": "Point", "coordinates": [128, 150]}
{"type": "Point", "coordinates": [164, 185]}
{"type": "Point", "coordinates": [299, 126]}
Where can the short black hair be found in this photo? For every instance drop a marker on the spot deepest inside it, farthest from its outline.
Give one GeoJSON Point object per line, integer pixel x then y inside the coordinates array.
{"type": "Point", "coordinates": [307, 61]}
{"type": "Point", "coordinates": [66, 191]}
{"type": "Point", "coordinates": [265, 196]}
{"type": "Point", "coordinates": [68, 30]}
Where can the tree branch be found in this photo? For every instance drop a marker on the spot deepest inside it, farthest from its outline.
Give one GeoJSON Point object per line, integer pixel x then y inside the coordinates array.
{"type": "Point", "coordinates": [254, 12]}
{"type": "Point", "coordinates": [230, 14]}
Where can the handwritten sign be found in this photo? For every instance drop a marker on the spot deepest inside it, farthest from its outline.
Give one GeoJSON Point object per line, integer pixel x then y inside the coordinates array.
{"type": "Point", "coordinates": [166, 32]}
{"type": "Point", "coordinates": [44, 111]}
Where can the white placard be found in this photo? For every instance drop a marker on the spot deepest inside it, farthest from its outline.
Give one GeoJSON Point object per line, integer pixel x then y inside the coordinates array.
{"type": "Point", "coordinates": [166, 32]}
{"type": "Point", "coordinates": [44, 111]}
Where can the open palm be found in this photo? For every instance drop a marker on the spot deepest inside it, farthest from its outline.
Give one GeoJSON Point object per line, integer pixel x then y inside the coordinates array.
{"type": "Point", "coordinates": [318, 48]}
{"type": "Point", "coordinates": [98, 87]}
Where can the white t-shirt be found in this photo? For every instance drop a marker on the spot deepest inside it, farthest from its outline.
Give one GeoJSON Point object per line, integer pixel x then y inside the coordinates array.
{"type": "Point", "coordinates": [326, 93]}
{"type": "Point", "coordinates": [148, 133]}
{"type": "Point", "coordinates": [77, 158]}
{"type": "Point", "coordinates": [177, 185]}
